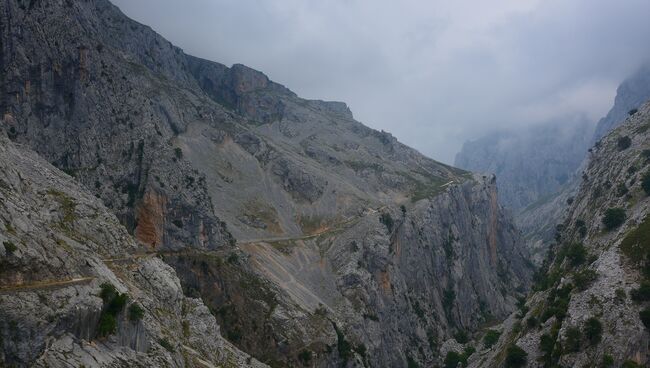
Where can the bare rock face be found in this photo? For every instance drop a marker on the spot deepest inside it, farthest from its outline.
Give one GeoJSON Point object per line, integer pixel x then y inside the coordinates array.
{"type": "Point", "coordinates": [312, 239]}
{"type": "Point", "coordinates": [630, 95]}
{"type": "Point", "coordinates": [59, 245]}
{"type": "Point", "coordinates": [590, 304]}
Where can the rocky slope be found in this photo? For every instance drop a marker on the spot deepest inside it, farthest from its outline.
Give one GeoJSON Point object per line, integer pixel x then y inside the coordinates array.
{"type": "Point", "coordinates": [630, 95]}
{"type": "Point", "coordinates": [531, 164]}
{"type": "Point", "coordinates": [590, 304]}
{"type": "Point", "coordinates": [59, 246]}
{"type": "Point", "coordinates": [313, 240]}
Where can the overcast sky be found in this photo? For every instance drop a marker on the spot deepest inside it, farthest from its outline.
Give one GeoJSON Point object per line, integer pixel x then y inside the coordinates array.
{"type": "Point", "coordinates": [434, 73]}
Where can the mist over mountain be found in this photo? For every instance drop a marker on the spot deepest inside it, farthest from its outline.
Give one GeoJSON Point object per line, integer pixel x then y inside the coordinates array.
{"type": "Point", "coordinates": [530, 163]}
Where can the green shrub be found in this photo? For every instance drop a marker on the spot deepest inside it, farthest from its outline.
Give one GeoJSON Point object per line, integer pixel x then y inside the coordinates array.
{"type": "Point", "coordinates": [532, 322]}
{"type": "Point", "coordinates": [411, 363]}
{"type": "Point", "coordinates": [10, 247]}
{"type": "Point", "coordinates": [546, 344]}
{"type": "Point", "coordinates": [461, 337]}
{"type": "Point", "coordinates": [632, 112]}
{"type": "Point", "coordinates": [135, 312]}
{"type": "Point", "coordinates": [387, 220]}
{"type": "Point", "coordinates": [645, 317]}
{"type": "Point", "coordinates": [623, 143]}
{"type": "Point", "coordinates": [117, 304]}
{"type": "Point", "coordinates": [491, 337]}
{"type": "Point", "coordinates": [305, 357]}
{"type": "Point", "coordinates": [645, 183]}
{"type": "Point", "coordinates": [636, 244]}
{"type": "Point", "coordinates": [607, 361]}
{"type": "Point", "coordinates": [642, 294]}
{"type": "Point", "coordinates": [576, 253]}
{"type": "Point", "coordinates": [166, 344]}
{"type": "Point", "coordinates": [515, 357]}
{"type": "Point", "coordinates": [107, 325]}
{"type": "Point", "coordinates": [614, 217]}
{"type": "Point", "coordinates": [572, 340]}
{"type": "Point", "coordinates": [114, 303]}
{"type": "Point", "coordinates": [343, 346]}
{"type": "Point", "coordinates": [593, 330]}
{"type": "Point", "coordinates": [584, 278]}
{"type": "Point", "coordinates": [452, 359]}
{"type": "Point", "coordinates": [178, 153]}
{"type": "Point", "coordinates": [107, 292]}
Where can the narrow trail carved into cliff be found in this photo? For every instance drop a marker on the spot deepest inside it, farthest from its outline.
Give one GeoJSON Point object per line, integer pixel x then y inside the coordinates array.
{"type": "Point", "coordinates": [44, 284]}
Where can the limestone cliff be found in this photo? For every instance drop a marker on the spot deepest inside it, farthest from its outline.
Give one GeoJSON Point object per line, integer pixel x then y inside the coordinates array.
{"type": "Point", "coordinates": [313, 239]}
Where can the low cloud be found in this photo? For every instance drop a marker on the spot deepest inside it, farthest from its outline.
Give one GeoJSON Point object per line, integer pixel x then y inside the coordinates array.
{"type": "Point", "coordinates": [433, 73]}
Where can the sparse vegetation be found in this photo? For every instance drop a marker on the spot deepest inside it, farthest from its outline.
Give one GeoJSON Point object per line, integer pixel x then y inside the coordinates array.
{"type": "Point", "coordinates": [114, 303]}
{"type": "Point", "coordinates": [135, 312]}
{"type": "Point", "coordinates": [607, 361]}
{"type": "Point", "coordinates": [343, 346]}
{"type": "Point", "coordinates": [10, 247]}
{"type": "Point", "coordinates": [630, 364]}
{"type": "Point", "coordinates": [593, 330]}
{"type": "Point", "coordinates": [178, 153]}
{"type": "Point", "coordinates": [614, 217]}
{"type": "Point", "coordinates": [645, 183]}
{"type": "Point", "coordinates": [623, 143]}
{"type": "Point", "coordinates": [632, 112]}
{"type": "Point", "coordinates": [305, 357]}
{"type": "Point", "coordinates": [645, 317]}
{"type": "Point", "coordinates": [166, 344]}
{"type": "Point", "coordinates": [461, 337]}
{"type": "Point", "coordinates": [453, 358]}
{"type": "Point", "coordinates": [515, 357]}
{"type": "Point", "coordinates": [387, 220]}
{"type": "Point", "coordinates": [584, 278]}
{"type": "Point", "coordinates": [491, 337]}
{"type": "Point", "coordinates": [572, 338]}
{"type": "Point", "coordinates": [642, 294]}
{"type": "Point", "coordinates": [576, 254]}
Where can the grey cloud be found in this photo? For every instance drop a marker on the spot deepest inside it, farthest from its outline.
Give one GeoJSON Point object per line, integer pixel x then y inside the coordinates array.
{"type": "Point", "coordinates": [434, 73]}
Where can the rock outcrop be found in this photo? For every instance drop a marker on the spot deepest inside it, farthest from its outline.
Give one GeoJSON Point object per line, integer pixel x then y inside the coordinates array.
{"type": "Point", "coordinates": [60, 248]}
{"type": "Point", "coordinates": [630, 95]}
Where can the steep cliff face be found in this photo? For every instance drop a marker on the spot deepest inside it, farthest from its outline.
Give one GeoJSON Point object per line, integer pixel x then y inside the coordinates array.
{"type": "Point", "coordinates": [311, 238]}
{"type": "Point", "coordinates": [590, 307]}
{"type": "Point", "coordinates": [59, 246]}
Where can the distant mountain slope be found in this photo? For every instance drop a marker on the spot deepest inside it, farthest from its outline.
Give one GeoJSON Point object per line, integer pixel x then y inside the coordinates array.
{"type": "Point", "coordinates": [312, 239]}
{"type": "Point", "coordinates": [590, 307]}
{"type": "Point", "coordinates": [630, 95]}
{"type": "Point", "coordinates": [530, 163]}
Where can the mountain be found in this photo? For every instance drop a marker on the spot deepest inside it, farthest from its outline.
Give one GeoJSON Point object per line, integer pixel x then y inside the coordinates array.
{"type": "Point", "coordinates": [530, 163]}
{"type": "Point", "coordinates": [631, 94]}
{"type": "Point", "coordinates": [66, 266]}
{"type": "Point", "coordinates": [590, 304]}
{"type": "Point", "coordinates": [311, 239]}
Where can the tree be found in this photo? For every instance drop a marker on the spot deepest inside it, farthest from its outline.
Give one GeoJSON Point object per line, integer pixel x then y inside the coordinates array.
{"type": "Point", "coordinates": [614, 217]}
{"type": "Point", "coordinates": [624, 143]}
{"type": "Point", "coordinates": [593, 330]}
{"type": "Point", "coordinates": [516, 357]}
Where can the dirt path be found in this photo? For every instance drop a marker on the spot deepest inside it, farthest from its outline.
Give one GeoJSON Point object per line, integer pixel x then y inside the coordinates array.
{"type": "Point", "coordinates": [335, 227]}
{"type": "Point", "coordinates": [45, 284]}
